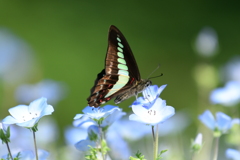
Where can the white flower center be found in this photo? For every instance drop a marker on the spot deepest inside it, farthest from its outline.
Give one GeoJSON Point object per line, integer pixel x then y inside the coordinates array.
{"type": "Point", "coordinates": [152, 115]}
{"type": "Point", "coordinates": [30, 116]}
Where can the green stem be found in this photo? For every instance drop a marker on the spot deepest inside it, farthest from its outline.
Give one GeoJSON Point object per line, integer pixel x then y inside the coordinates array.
{"type": "Point", "coordinates": [9, 151]}
{"type": "Point", "coordinates": [35, 145]}
{"type": "Point", "coordinates": [153, 134]}
{"type": "Point", "coordinates": [101, 139]}
{"type": "Point", "coordinates": [155, 142]}
{"type": "Point", "coordinates": [215, 156]}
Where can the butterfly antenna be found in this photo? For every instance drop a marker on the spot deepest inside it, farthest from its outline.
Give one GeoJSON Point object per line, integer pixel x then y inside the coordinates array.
{"type": "Point", "coordinates": [156, 76]}
{"type": "Point", "coordinates": [155, 71]}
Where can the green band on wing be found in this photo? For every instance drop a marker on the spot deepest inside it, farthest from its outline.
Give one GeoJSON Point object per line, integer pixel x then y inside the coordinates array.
{"type": "Point", "coordinates": [120, 45]}
{"type": "Point", "coordinates": [123, 72]}
{"type": "Point", "coordinates": [122, 66]}
{"type": "Point", "coordinates": [120, 55]}
{"type": "Point", "coordinates": [120, 60]}
{"type": "Point", "coordinates": [119, 49]}
{"type": "Point", "coordinates": [119, 40]}
{"type": "Point", "coordinates": [122, 81]}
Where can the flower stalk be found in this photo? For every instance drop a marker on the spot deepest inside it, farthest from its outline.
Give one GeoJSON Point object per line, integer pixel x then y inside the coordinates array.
{"type": "Point", "coordinates": [215, 156]}
{"type": "Point", "coordinates": [9, 151]}
{"type": "Point", "coordinates": [155, 143]}
{"type": "Point", "coordinates": [101, 140]}
{"type": "Point", "coordinates": [35, 145]}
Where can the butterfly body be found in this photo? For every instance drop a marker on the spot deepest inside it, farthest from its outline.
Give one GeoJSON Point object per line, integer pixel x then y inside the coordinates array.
{"type": "Point", "coordinates": [121, 77]}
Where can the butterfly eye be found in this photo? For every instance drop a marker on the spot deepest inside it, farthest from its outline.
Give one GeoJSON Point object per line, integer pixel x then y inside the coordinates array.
{"type": "Point", "coordinates": [148, 84]}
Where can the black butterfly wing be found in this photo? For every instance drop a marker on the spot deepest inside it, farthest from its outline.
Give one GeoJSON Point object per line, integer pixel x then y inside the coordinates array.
{"type": "Point", "coordinates": [121, 70]}
{"type": "Point", "coordinates": [117, 40]}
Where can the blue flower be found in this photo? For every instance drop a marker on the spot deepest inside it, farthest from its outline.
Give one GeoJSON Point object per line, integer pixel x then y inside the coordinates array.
{"type": "Point", "coordinates": [233, 154]}
{"type": "Point", "coordinates": [47, 127]}
{"type": "Point", "coordinates": [119, 148]}
{"type": "Point", "coordinates": [232, 69]}
{"type": "Point", "coordinates": [73, 135]}
{"type": "Point", "coordinates": [150, 94]}
{"type": "Point", "coordinates": [29, 155]}
{"type": "Point", "coordinates": [227, 96]}
{"type": "Point", "coordinates": [16, 58]}
{"type": "Point", "coordinates": [54, 91]}
{"type": "Point", "coordinates": [103, 117]}
{"type": "Point", "coordinates": [91, 140]}
{"type": "Point", "coordinates": [158, 113]}
{"type": "Point", "coordinates": [197, 143]}
{"type": "Point", "coordinates": [206, 43]}
{"type": "Point", "coordinates": [127, 130]}
{"type": "Point", "coordinates": [222, 123]}
{"type": "Point", "coordinates": [28, 116]}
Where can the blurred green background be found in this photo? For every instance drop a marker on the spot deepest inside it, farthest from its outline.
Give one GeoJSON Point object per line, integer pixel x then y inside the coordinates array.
{"type": "Point", "coordinates": [69, 40]}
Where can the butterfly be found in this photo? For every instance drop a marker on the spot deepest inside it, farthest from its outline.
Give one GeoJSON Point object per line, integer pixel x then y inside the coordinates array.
{"type": "Point", "coordinates": [120, 78]}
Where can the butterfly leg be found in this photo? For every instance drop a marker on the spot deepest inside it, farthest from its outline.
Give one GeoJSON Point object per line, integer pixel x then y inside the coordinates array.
{"type": "Point", "coordinates": [136, 95]}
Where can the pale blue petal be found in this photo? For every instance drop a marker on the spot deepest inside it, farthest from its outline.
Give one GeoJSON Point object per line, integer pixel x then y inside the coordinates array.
{"type": "Point", "coordinates": [73, 135]}
{"type": "Point", "coordinates": [83, 145]}
{"type": "Point", "coordinates": [77, 116]}
{"type": "Point", "coordinates": [38, 105]}
{"type": "Point", "coordinates": [167, 112]}
{"type": "Point", "coordinates": [93, 128]}
{"type": "Point", "coordinates": [150, 93]}
{"type": "Point", "coordinates": [84, 119]}
{"type": "Point", "coordinates": [169, 127]}
{"type": "Point", "coordinates": [140, 100]}
{"type": "Point", "coordinates": [139, 110]}
{"type": "Point", "coordinates": [9, 120]}
{"type": "Point", "coordinates": [223, 121]}
{"type": "Point", "coordinates": [127, 129]}
{"type": "Point", "coordinates": [233, 154]}
{"type": "Point", "coordinates": [29, 155]}
{"type": "Point", "coordinates": [207, 119]}
{"type": "Point", "coordinates": [146, 103]}
{"type": "Point", "coordinates": [25, 155]}
{"type": "Point", "coordinates": [164, 103]}
{"type": "Point", "coordinates": [119, 147]}
{"type": "Point", "coordinates": [29, 124]}
{"type": "Point", "coordinates": [159, 104]}
{"type": "Point", "coordinates": [19, 111]}
{"type": "Point", "coordinates": [116, 115]}
{"type": "Point", "coordinates": [235, 121]}
{"type": "Point", "coordinates": [42, 154]}
{"type": "Point", "coordinates": [161, 88]}
{"type": "Point", "coordinates": [97, 113]}
{"type": "Point", "coordinates": [134, 117]}
{"type": "Point", "coordinates": [47, 110]}
{"type": "Point", "coordinates": [88, 109]}
{"type": "Point", "coordinates": [109, 108]}
{"type": "Point", "coordinates": [229, 95]}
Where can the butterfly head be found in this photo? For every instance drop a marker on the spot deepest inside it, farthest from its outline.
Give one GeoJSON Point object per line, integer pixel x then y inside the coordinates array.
{"type": "Point", "coordinates": [144, 83]}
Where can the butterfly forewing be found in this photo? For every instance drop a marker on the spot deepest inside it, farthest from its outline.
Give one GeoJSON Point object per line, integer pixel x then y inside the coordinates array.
{"type": "Point", "coordinates": [118, 49]}
{"type": "Point", "coordinates": [120, 73]}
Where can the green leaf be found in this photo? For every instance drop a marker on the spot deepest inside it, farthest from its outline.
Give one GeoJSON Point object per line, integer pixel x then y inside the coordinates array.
{"type": "Point", "coordinates": [34, 128]}
{"type": "Point", "coordinates": [159, 155]}
{"type": "Point", "coordinates": [93, 154]}
{"type": "Point", "coordinates": [139, 156]}
{"type": "Point", "coordinates": [104, 148]}
{"type": "Point", "coordinates": [132, 158]}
